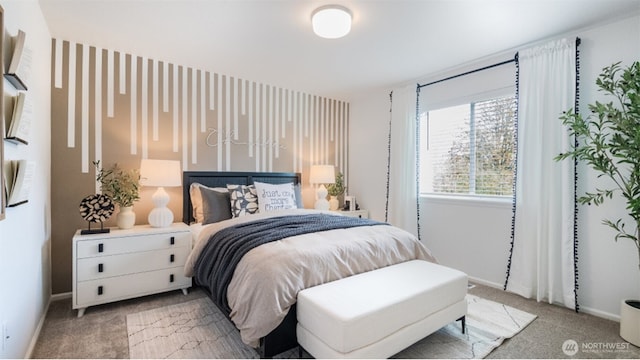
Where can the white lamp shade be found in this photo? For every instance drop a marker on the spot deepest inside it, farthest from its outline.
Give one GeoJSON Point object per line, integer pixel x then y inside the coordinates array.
{"type": "Point", "coordinates": [331, 21]}
{"type": "Point", "coordinates": [160, 172]}
{"type": "Point", "coordinates": [322, 174]}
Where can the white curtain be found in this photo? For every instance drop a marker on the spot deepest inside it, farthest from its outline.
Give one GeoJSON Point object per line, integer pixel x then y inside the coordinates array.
{"type": "Point", "coordinates": [542, 265]}
{"type": "Point", "coordinates": [403, 195]}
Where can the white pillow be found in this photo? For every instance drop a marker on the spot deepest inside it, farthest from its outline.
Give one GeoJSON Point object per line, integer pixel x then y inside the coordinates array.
{"type": "Point", "coordinates": [196, 199]}
{"type": "Point", "coordinates": [273, 197]}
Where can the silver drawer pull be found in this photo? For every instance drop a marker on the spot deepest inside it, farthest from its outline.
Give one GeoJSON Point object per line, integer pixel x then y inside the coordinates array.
{"type": "Point", "coordinates": [100, 268]}
{"type": "Point", "coordinates": [100, 290]}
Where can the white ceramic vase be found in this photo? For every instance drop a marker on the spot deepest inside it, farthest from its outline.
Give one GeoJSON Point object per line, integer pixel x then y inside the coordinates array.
{"type": "Point", "coordinates": [630, 321]}
{"type": "Point", "coordinates": [334, 203]}
{"type": "Point", "coordinates": [126, 218]}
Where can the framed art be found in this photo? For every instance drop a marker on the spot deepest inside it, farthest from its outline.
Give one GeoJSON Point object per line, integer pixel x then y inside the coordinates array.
{"type": "Point", "coordinates": [2, 187]}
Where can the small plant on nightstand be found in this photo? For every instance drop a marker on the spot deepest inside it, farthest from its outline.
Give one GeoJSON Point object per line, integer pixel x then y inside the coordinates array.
{"type": "Point", "coordinates": [123, 186]}
{"type": "Point", "coordinates": [334, 190]}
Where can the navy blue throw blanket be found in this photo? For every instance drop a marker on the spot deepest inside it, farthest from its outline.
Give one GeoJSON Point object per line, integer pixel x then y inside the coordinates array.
{"type": "Point", "coordinates": [219, 258]}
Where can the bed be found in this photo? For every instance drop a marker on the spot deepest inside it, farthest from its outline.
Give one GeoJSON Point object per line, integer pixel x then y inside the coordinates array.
{"type": "Point", "coordinates": [262, 282]}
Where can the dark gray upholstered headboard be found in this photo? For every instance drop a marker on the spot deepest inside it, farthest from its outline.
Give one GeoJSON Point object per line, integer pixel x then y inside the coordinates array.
{"type": "Point", "coordinates": [222, 178]}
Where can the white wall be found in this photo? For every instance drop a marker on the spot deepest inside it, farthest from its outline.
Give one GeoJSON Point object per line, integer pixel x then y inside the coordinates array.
{"type": "Point", "coordinates": [369, 129]}
{"type": "Point", "coordinates": [608, 270]}
{"type": "Point", "coordinates": [474, 236]}
{"type": "Point", "coordinates": [25, 285]}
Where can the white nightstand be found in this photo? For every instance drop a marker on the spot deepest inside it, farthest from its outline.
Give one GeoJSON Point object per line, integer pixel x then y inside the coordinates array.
{"type": "Point", "coordinates": [124, 264]}
{"type": "Point", "coordinates": [364, 214]}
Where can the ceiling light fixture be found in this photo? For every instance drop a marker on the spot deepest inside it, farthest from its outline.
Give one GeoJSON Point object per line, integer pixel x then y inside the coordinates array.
{"type": "Point", "coordinates": [331, 21]}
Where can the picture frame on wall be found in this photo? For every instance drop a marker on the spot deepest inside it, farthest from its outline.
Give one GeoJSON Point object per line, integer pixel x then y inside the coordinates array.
{"type": "Point", "coordinates": [2, 185]}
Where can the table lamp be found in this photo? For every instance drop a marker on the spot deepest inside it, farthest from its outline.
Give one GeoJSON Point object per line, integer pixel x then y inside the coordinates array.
{"type": "Point", "coordinates": [320, 175]}
{"type": "Point", "coordinates": [160, 173]}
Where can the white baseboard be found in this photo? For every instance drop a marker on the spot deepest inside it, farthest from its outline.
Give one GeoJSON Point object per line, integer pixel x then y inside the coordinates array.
{"type": "Point", "coordinates": [586, 310]}
{"type": "Point", "coordinates": [60, 296]}
{"type": "Point", "coordinates": [485, 282]}
{"type": "Point", "coordinates": [36, 333]}
{"type": "Point", "coordinates": [599, 313]}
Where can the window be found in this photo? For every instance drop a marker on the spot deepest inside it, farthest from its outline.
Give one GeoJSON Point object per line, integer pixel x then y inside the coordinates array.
{"type": "Point", "coordinates": [468, 149]}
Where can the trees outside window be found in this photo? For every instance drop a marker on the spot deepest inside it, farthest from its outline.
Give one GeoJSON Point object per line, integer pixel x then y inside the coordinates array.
{"type": "Point", "coordinates": [469, 149]}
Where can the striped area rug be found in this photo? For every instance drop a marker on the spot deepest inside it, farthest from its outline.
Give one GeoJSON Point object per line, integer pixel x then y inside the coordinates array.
{"type": "Point", "coordinates": [197, 329]}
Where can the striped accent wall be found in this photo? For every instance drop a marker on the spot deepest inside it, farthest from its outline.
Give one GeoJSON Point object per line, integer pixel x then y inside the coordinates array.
{"type": "Point", "coordinates": [211, 121]}
{"type": "Point", "coordinates": [113, 107]}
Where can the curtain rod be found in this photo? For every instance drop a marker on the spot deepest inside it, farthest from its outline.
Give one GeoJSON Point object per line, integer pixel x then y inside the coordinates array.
{"type": "Point", "coordinates": [470, 72]}
{"type": "Point", "coordinates": [515, 58]}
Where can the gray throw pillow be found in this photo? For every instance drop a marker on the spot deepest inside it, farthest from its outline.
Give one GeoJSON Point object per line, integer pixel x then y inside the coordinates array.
{"type": "Point", "coordinates": [298, 191]}
{"type": "Point", "coordinates": [216, 206]}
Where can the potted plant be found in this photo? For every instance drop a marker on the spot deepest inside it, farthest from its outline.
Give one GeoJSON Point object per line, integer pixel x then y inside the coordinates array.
{"type": "Point", "coordinates": [334, 190]}
{"type": "Point", "coordinates": [608, 140]}
{"type": "Point", "coordinates": [123, 187]}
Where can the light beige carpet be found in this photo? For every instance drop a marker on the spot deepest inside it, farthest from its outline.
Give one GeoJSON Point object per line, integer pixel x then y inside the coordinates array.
{"type": "Point", "coordinates": [197, 329]}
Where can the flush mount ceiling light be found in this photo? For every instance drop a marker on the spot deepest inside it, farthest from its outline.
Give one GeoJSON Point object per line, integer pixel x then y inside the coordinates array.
{"type": "Point", "coordinates": [331, 21]}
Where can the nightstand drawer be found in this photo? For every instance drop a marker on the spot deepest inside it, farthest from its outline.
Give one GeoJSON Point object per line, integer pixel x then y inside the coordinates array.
{"type": "Point", "coordinates": [123, 287]}
{"type": "Point", "coordinates": [115, 265]}
{"type": "Point", "coordinates": [128, 244]}
{"type": "Point", "coordinates": [363, 214]}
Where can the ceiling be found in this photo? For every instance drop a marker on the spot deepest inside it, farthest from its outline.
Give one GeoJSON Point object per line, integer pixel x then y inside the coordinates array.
{"type": "Point", "coordinates": [271, 41]}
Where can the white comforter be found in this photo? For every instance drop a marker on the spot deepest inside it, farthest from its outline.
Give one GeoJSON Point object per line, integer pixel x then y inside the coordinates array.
{"type": "Point", "coordinates": [268, 278]}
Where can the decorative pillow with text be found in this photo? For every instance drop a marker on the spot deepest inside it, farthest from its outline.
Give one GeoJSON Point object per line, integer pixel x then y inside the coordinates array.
{"type": "Point", "coordinates": [272, 197]}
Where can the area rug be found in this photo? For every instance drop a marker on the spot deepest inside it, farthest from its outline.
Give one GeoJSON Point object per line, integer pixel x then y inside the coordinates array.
{"type": "Point", "coordinates": [197, 329]}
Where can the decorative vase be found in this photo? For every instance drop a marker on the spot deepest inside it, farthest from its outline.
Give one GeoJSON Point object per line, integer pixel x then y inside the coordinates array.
{"type": "Point", "coordinates": [333, 203]}
{"type": "Point", "coordinates": [126, 218]}
{"type": "Point", "coordinates": [630, 321]}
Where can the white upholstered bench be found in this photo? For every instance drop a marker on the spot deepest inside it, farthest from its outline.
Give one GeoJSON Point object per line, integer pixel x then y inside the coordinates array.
{"type": "Point", "coordinates": [379, 313]}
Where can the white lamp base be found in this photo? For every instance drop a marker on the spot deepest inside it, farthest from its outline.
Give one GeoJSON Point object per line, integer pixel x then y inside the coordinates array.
{"type": "Point", "coordinates": [160, 216]}
{"type": "Point", "coordinates": [321, 199]}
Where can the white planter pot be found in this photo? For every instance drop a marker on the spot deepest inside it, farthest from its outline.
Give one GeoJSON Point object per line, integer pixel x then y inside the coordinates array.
{"type": "Point", "coordinates": [126, 218]}
{"type": "Point", "coordinates": [630, 321]}
{"type": "Point", "coordinates": [334, 203]}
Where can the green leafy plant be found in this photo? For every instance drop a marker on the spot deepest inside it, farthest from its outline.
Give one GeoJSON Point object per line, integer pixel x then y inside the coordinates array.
{"type": "Point", "coordinates": [337, 188]}
{"type": "Point", "coordinates": [123, 186]}
{"type": "Point", "coordinates": [608, 140]}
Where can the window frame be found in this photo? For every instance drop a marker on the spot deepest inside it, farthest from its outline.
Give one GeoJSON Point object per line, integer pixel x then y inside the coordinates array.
{"type": "Point", "coordinates": [469, 100]}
